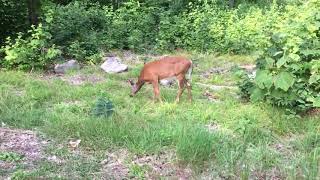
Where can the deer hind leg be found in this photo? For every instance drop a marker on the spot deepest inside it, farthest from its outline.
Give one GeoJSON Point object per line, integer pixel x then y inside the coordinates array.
{"type": "Point", "coordinates": [189, 90]}
{"type": "Point", "coordinates": [181, 82]}
{"type": "Point", "coordinates": [156, 91]}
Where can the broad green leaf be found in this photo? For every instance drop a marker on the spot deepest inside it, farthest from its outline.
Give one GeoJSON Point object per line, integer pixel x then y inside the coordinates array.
{"type": "Point", "coordinates": [284, 80]}
{"type": "Point", "coordinates": [316, 102]}
{"type": "Point", "coordinates": [295, 67]}
{"type": "Point", "coordinates": [314, 78]}
{"type": "Point", "coordinates": [281, 61]}
{"type": "Point", "coordinates": [257, 95]}
{"type": "Point", "coordinates": [263, 79]}
{"type": "Point", "coordinates": [294, 57]}
{"type": "Point", "coordinates": [269, 62]}
{"type": "Point", "coordinates": [308, 52]}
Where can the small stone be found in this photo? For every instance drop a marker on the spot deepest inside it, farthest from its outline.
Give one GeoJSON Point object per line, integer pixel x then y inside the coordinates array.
{"type": "Point", "coordinates": [167, 82]}
{"type": "Point", "coordinates": [113, 65]}
{"type": "Point", "coordinates": [69, 65]}
{"type": "Point", "coordinates": [249, 67]}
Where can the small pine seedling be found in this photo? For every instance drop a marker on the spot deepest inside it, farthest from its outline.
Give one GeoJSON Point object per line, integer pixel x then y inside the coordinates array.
{"type": "Point", "coordinates": [103, 107]}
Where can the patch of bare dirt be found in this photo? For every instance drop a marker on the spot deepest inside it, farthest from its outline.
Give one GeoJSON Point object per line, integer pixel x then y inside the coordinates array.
{"type": "Point", "coordinates": [81, 79]}
{"type": "Point", "coordinates": [313, 112]}
{"type": "Point", "coordinates": [117, 165]}
{"type": "Point", "coordinates": [272, 174]}
{"type": "Point", "coordinates": [114, 165]}
{"type": "Point", "coordinates": [77, 79]}
{"type": "Point", "coordinates": [22, 142]}
{"type": "Point", "coordinates": [210, 96]}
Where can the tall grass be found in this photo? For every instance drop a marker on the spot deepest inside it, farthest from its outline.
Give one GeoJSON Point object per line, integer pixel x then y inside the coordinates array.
{"type": "Point", "coordinates": [243, 143]}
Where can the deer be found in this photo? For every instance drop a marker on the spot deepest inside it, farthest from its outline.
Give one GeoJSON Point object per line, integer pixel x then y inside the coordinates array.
{"type": "Point", "coordinates": [166, 67]}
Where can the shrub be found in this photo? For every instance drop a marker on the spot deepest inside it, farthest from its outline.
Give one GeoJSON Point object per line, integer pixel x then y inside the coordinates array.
{"type": "Point", "coordinates": [78, 27]}
{"type": "Point", "coordinates": [289, 70]}
{"type": "Point", "coordinates": [33, 52]}
{"type": "Point", "coordinates": [133, 27]}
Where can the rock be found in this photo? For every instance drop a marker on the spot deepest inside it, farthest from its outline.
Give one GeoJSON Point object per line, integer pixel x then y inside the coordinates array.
{"type": "Point", "coordinates": [69, 65]}
{"type": "Point", "coordinates": [249, 67]}
{"type": "Point", "coordinates": [113, 65]}
{"type": "Point", "coordinates": [167, 81]}
{"type": "Point", "coordinates": [253, 74]}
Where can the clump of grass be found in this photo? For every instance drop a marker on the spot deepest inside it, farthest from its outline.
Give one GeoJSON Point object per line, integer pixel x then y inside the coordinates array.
{"type": "Point", "coordinates": [195, 145]}
{"type": "Point", "coordinates": [10, 156]}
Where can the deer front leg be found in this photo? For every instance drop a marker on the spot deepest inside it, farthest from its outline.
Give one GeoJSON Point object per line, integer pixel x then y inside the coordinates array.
{"type": "Point", "coordinates": [156, 91]}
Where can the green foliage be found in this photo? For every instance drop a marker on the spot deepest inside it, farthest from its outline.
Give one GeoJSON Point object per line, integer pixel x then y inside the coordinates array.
{"type": "Point", "coordinates": [10, 156]}
{"type": "Point", "coordinates": [245, 83]}
{"type": "Point", "coordinates": [225, 137]}
{"type": "Point", "coordinates": [86, 29]}
{"type": "Point", "coordinates": [195, 141]}
{"type": "Point", "coordinates": [79, 28]}
{"type": "Point", "coordinates": [288, 73]}
{"type": "Point", "coordinates": [33, 52]}
{"type": "Point", "coordinates": [133, 26]}
{"type": "Point", "coordinates": [103, 107]}
{"type": "Point", "coordinates": [13, 15]}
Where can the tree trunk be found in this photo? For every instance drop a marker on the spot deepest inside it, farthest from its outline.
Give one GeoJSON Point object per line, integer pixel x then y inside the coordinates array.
{"type": "Point", "coordinates": [33, 10]}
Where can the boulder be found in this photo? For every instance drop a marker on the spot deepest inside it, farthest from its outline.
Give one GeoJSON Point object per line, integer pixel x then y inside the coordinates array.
{"type": "Point", "coordinates": [113, 65]}
{"type": "Point", "coordinates": [69, 65]}
{"type": "Point", "coordinates": [249, 67]}
{"type": "Point", "coordinates": [167, 81]}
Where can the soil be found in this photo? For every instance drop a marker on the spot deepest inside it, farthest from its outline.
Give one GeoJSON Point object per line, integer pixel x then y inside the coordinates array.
{"type": "Point", "coordinates": [22, 142]}
{"type": "Point", "coordinates": [118, 163]}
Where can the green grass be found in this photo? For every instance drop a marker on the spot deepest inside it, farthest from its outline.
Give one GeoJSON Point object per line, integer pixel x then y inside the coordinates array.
{"type": "Point", "coordinates": [242, 145]}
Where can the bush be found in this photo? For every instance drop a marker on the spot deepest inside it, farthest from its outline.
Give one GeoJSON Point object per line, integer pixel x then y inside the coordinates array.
{"type": "Point", "coordinates": [85, 30]}
{"type": "Point", "coordinates": [33, 52]}
{"type": "Point", "coordinates": [134, 26]}
{"type": "Point", "coordinates": [289, 70]}
{"type": "Point", "coordinates": [79, 28]}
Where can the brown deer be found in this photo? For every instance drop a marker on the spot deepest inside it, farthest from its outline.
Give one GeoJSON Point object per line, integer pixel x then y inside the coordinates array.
{"type": "Point", "coordinates": [165, 67]}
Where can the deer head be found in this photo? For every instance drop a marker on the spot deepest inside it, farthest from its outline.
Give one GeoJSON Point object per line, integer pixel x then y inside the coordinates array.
{"type": "Point", "coordinates": [135, 87]}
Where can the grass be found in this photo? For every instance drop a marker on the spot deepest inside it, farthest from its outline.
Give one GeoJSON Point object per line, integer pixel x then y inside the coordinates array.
{"type": "Point", "coordinates": [245, 143]}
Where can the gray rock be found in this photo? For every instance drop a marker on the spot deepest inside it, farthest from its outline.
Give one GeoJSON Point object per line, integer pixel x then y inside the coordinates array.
{"type": "Point", "coordinates": [249, 68]}
{"type": "Point", "coordinates": [113, 65]}
{"type": "Point", "coordinates": [69, 65]}
{"type": "Point", "coordinates": [168, 81]}
{"type": "Point", "coordinates": [252, 75]}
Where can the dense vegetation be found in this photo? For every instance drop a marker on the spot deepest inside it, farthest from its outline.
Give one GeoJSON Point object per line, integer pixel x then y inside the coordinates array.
{"type": "Point", "coordinates": [227, 139]}
{"type": "Point", "coordinates": [85, 29]}
{"type": "Point", "coordinates": [288, 69]}
{"type": "Point", "coordinates": [231, 138]}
